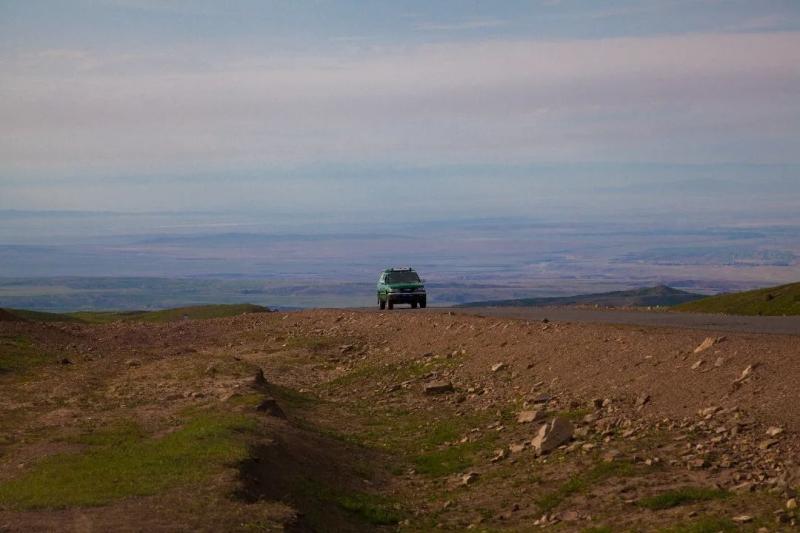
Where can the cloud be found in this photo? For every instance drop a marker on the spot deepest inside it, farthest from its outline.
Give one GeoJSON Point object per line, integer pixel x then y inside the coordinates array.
{"type": "Point", "coordinates": [705, 98]}
{"type": "Point", "coordinates": [471, 24]}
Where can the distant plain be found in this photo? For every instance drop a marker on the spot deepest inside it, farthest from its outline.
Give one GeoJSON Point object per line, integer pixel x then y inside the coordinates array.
{"type": "Point", "coordinates": [70, 261]}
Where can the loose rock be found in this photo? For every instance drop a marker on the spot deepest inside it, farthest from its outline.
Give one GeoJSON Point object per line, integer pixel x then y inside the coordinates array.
{"type": "Point", "coordinates": [469, 478]}
{"type": "Point", "coordinates": [552, 435]}
{"type": "Point", "coordinates": [708, 343]}
{"type": "Point", "coordinates": [526, 417]}
{"type": "Point", "coordinates": [774, 431]}
{"type": "Point", "coordinates": [439, 387]}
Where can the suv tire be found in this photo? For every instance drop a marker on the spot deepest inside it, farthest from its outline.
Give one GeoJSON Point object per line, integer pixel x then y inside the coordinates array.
{"type": "Point", "coordinates": [381, 303]}
{"type": "Point", "coordinates": [414, 304]}
{"type": "Point", "coordinates": [389, 303]}
{"type": "Point", "coordinates": [423, 302]}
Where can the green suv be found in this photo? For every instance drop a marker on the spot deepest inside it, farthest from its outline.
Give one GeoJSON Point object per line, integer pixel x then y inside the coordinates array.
{"type": "Point", "coordinates": [401, 286]}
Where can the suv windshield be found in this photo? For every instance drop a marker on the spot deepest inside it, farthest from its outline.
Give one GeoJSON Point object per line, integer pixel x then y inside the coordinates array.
{"type": "Point", "coordinates": [402, 277]}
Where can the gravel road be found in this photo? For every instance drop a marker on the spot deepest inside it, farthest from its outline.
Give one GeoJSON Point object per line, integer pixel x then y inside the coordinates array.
{"type": "Point", "coordinates": [782, 325]}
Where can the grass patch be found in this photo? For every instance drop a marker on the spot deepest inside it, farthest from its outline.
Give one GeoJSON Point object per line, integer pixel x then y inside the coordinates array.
{"type": "Point", "coordinates": [394, 373]}
{"type": "Point", "coordinates": [41, 316]}
{"type": "Point", "coordinates": [708, 524]}
{"type": "Point", "coordinates": [575, 415]}
{"type": "Point", "coordinates": [582, 481]}
{"type": "Point", "coordinates": [122, 462]}
{"type": "Point", "coordinates": [366, 508]}
{"type": "Point", "coordinates": [781, 300]}
{"type": "Point", "coordinates": [683, 496]}
{"type": "Point", "coordinates": [369, 508]}
{"type": "Point", "coordinates": [197, 312]}
{"type": "Point", "coordinates": [18, 355]}
{"type": "Point", "coordinates": [446, 461]}
{"type": "Point", "coordinates": [437, 461]}
{"type": "Point", "coordinates": [290, 397]}
{"type": "Point", "coordinates": [118, 434]}
{"type": "Point", "coordinates": [442, 431]}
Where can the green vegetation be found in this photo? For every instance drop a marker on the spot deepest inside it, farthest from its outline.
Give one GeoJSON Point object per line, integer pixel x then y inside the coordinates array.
{"type": "Point", "coordinates": [369, 508]}
{"type": "Point", "coordinates": [581, 482]}
{"type": "Point", "coordinates": [169, 315]}
{"type": "Point", "coordinates": [772, 301]}
{"type": "Point", "coordinates": [290, 397]}
{"type": "Point", "coordinates": [446, 461]}
{"type": "Point", "coordinates": [18, 355]}
{"type": "Point", "coordinates": [318, 498]}
{"type": "Point", "coordinates": [121, 461]}
{"type": "Point", "coordinates": [40, 316]}
{"type": "Point", "coordinates": [707, 524]}
{"type": "Point", "coordinates": [683, 496]}
{"type": "Point", "coordinates": [166, 315]}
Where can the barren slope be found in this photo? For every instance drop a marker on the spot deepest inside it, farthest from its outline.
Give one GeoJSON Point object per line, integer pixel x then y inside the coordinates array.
{"type": "Point", "coordinates": [137, 426]}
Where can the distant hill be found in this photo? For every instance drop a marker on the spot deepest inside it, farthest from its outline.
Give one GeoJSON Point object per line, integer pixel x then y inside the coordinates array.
{"type": "Point", "coordinates": [164, 315]}
{"type": "Point", "coordinates": [660, 295]}
{"type": "Point", "coordinates": [772, 301]}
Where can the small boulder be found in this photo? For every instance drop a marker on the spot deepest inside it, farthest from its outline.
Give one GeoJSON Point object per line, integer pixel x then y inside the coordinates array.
{"type": "Point", "coordinates": [642, 400]}
{"type": "Point", "coordinates": [708, 343]}
{"type": "Point", "coordinates": [708, 412]}
{"type": "Point", "coordinates": [745, 374]}
{"type": "Point", "coordinates": [774, 431]}
{"type": "Point", "coordinates": [469, 478]}
{"type": "Point", "coordinates": [498, 367]}
{"type": "Point", "coordinates": [499, 455]}
{"type": "Point", "coordinates": [526, 417]}
{"type": "Point", "coordinates": [791, 504]}
{"type": "Point", "coordinates": [438, 387]}
{"type": "Point", "coordinates": [516, 447]}
{"type": "Point", "coordinates": [767, 444]}
{"type": "Point", "coordinates": [552, 435]}
{"type": "Point", "coordinates": [743, 519]}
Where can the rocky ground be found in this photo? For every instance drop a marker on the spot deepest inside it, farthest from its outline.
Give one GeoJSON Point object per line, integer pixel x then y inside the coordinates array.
{"type": "Point", "coordinates": [360, 421]}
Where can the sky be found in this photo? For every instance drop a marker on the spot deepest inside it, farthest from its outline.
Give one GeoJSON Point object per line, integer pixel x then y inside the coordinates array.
{"type": "Point", "coordinates": [345, 108]}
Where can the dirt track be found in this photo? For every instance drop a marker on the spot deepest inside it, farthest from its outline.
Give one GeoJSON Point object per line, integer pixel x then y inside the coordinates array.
{"type": "Point", "coordinates": [782, 325]}
{"type": "Point", "coordinates": [363, 447]}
